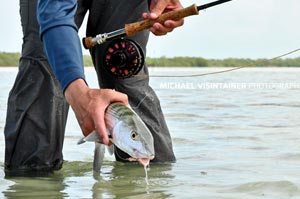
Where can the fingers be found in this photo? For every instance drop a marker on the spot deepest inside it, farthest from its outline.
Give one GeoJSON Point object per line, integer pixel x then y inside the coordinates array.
{"type": "Point", "coordinates": [157, 7]}
{"type": "Point", "coordinates": [162, 29]}
{"type": "Point", "coordinates": [100, 126]}
{"type": "Point", "coordinates": [169, 25]}
{"type": "Point", "coordinates": [100, 100]}
{"type": "Point", "coordinates": [116, 96]}
{"type": "Point", "coordinates": [89, 106]}
{"type": "Point", "coordinates": [87, 126]}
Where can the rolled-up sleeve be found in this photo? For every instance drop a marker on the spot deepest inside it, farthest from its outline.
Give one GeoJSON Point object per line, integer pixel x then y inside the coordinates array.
{"type": "Point", "coordinates": [61, 42]}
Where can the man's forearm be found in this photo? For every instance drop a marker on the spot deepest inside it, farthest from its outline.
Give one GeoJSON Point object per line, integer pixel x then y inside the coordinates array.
{"type": "Point", "coordinates": [64, 54]}
{"type": "Point", "coordinates": [60, 38]}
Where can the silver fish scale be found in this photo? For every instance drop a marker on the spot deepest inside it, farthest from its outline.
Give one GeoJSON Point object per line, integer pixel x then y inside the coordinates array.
{"type": "Point", "coordinates": [118, 112]}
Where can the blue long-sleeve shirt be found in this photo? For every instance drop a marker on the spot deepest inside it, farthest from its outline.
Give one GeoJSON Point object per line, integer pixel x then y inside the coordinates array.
{"type": "Point", "coordinates": [61, 42]}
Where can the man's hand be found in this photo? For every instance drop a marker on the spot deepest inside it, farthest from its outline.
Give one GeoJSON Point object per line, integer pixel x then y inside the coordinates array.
{"type": "Point", "coordinates": [89, 106]}
{"type": "Point", "coordinates": [157, 7]}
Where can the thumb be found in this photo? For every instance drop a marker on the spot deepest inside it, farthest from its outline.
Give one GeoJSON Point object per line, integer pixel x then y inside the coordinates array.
{"type": "Point", "coordinates": [157, 7]}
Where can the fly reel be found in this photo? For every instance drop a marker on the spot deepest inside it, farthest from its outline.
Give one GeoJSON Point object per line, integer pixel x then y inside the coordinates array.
{"type": "Point", "coordinates": [123, 58]}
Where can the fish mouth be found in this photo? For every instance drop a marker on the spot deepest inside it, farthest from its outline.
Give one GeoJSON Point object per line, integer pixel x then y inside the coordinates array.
{"type": "Point", "coordinates": [142, 161]}
{"type": "Point", "coordinates": [139, 154]}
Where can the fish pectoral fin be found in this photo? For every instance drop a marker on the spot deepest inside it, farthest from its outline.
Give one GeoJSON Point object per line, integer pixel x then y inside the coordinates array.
{"type": "Point", "coordinates": [92, 137]}
{"type": "Point", "coordinates": [98, 156]}
{"type": "Point", "coordinates": [81, 141]}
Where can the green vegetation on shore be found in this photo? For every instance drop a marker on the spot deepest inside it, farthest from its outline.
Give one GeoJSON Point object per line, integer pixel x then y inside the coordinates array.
{"type": "Point", "coordinates": [229, 62]}
{"type": "Point", "coordinates": [9, 59]}
{"type": "Point", "coordinates": [12, 59]}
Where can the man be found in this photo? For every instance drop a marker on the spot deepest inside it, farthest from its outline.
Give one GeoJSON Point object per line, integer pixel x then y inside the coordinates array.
{"type": "Point", "coordinates": [37, 110]}
{"type": "Point", "coordinates": [59, 34]}
{"type": "Point", "coordinates": [107, 16]}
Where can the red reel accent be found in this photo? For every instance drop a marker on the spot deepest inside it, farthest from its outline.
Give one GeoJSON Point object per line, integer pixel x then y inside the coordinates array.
{"type": "Point", "coordinates": [123, 58]}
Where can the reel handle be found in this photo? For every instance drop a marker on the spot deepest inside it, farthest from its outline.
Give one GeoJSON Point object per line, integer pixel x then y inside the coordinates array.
{"type": "Point", "coordinates": [134, 28]}
{"type": "Point", "coordinates": [88, 43]}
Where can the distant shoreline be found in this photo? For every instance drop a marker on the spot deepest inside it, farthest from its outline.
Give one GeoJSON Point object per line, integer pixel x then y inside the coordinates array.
{"type": "Point", "coordinates": [12, 59]}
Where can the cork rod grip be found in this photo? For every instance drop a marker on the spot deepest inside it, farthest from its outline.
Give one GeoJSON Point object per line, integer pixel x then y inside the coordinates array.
{"type": "Point", "coordinates": [134, 28]}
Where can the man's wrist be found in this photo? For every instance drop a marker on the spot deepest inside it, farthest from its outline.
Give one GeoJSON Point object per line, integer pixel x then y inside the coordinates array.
{"type": "Point", "coordinates": [75, 90]}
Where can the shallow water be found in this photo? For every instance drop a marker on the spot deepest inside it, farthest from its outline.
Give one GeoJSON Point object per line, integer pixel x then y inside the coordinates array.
{"type": "Point", "coordinates": [235, 136]}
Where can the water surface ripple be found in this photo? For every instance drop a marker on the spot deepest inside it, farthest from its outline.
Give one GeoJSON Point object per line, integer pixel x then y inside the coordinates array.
{"type": "Point", "coordinates": [235, 135]}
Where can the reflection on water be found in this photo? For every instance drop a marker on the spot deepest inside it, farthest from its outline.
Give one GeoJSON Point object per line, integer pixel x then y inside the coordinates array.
{"type": "Point", "coordinates": [36, 187]}
{"type": "Point", "coordinates": [230, 143]}
{"type": "Point", "coordinates": [130, 183]}
{"type": "Point", "coordinates": [76, 180]}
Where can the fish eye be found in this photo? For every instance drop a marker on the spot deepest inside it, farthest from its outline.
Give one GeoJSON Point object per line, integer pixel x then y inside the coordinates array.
{"type": "Point", "coordinates": [134, 135]}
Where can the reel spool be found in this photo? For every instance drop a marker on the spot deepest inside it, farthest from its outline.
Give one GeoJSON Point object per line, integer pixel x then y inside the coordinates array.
{"type": "Point", "coordinates": [123, 58]}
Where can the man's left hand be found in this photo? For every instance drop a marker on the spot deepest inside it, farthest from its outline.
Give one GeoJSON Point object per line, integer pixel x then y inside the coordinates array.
{"type": "Point", "coordinates": [157, 7]}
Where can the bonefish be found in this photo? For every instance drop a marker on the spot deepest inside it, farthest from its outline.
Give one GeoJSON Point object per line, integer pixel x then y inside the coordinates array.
{"type": "Point", "coordinates": [126, 131]}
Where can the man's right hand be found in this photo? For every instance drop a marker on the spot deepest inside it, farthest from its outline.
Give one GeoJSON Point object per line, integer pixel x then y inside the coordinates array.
{"type": "Point", "coordinates": [89, 106]}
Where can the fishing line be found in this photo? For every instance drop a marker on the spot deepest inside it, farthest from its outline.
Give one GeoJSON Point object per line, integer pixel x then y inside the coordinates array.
{"type": "Point", "coordinates": [124, 159]}
{"type": "Point", "coordinates": [124, 58]}
{"type": "Point", "coordinates": [141, 101]}
{"type": "Point", "coordinates": [221, 71]}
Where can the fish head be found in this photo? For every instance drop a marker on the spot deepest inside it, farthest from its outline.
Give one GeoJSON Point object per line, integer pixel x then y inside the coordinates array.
{"type": "Point", "coordinates": [134, 138]}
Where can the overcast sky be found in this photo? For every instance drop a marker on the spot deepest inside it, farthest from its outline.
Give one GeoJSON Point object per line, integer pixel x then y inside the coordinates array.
{"type": "Point", "coordinates": [241, 28]}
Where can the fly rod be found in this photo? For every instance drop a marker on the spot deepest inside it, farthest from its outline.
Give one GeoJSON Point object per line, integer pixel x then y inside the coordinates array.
{"type": "Point", "coordinates": [134, 28]}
